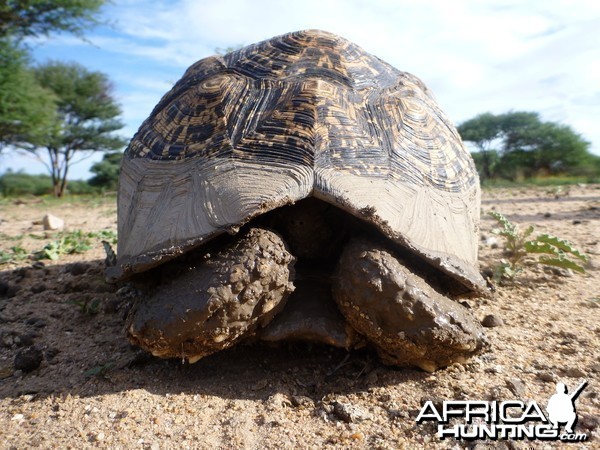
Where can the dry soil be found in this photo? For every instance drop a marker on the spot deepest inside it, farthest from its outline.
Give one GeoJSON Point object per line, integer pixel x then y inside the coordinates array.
{"type": "Point", "coordinates": [92, 389]}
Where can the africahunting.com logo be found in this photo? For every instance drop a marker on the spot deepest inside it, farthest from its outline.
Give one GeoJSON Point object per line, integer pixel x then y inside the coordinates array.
{"type": "Point", "coordinates": [511, 419]}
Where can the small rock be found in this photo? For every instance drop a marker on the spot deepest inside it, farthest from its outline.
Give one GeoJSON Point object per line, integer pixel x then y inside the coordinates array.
{"type": "Point", "coordinates": [491, 242]}
{"type": "Point", "coordinates": [372, 378]}
{"type": "Point", "coordinates": [546, 376]}
{"type": "Point", "coordinates": [301, 401]}
{"type": "Point", "coordinates": [98, 437]}
{"type": "Point", "coordinates": [112, 306]}
{"type": "Point", "coordinates": [577, 222]}
{"type": "Point", "coordinates": [38, 288]}
{"type": "Point", "coordinates": [575, 372]}
{"type": "Point", "coordinates": [36, 322]}
{"type": "Point", "coordinates": [560, 271]}
{"type": "Point", "coordinates": [498, 368]}
{"type": "Point", "coordinates": [24, 272]}
{"type": "Point", "coordinates": [77, 268]}
{"type": "Point", "coordinates": [28, 359]}
{"type": "Point", "coordinates": [547, 214]}
{"type": "Point", "coordinates": [50, 354]}
{"type": "Point", "coordinates": [516, 386]}
{"type": "Point", "coordinates": [588, 422]}
{"type": "Point", "coordinates": [492, 320]}
{"type": "Point", "coordinates": [51, 222]}
{"type": "Point", "coordinates": [349, 413]}
{"type": "Point", "coordinates": [24, 340]}
{"type": "Point", "coordinates": [7, 339]}
{"type": "Point", "coordinates": [358, 436]}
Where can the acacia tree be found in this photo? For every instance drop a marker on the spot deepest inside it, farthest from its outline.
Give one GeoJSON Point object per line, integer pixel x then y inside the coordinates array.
{"type": "Point", "coordinates": [26, 108]}
{"type": "Point", "coordinates": [21, 18]}
{"type": "Point", "coordinates": [520, 142]}
{"type": "Point", "coordinates": [483, 131]}
{"type": "Point", "coordinates": [86, 117]}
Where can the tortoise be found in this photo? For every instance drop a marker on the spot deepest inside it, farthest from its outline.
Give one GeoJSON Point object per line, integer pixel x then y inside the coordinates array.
{"type": "Point", "coordinates": [300, 188]}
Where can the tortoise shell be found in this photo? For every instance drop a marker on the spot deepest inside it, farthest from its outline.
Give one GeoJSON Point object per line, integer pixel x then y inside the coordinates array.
{"type": "Point", "coordinates": [303, 114]}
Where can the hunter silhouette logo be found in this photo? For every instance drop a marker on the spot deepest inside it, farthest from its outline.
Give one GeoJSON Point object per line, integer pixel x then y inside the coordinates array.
{"type": "Point", "coordinates": [561, 407]}
{"type": "Point", "coordinates": [511, 419]}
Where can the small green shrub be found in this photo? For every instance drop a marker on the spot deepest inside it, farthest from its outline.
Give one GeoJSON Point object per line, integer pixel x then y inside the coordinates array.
{"type": "Point", "coordinates": [545, 249]}
{"type": "Point", "coordinates": [16, 253]}
{"type": "Point", "coordinates": [66, 244]}
{"type": "Point", "coordinates": [90, 307]}
{"type": "Point", "coordinates": [99, 371]}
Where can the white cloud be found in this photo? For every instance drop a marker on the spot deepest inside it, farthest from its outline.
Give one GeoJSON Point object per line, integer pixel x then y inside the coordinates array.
{"type": "Point", "coordinates": [538, 55]}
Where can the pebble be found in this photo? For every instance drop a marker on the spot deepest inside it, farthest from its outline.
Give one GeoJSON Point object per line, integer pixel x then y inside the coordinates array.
{"type": "Point", "coordinates": [77, 268]}
{"type": "Point", "coordinates": [36, 322]}
{"type": "Point", "coordinates": [516, 386]}
{"type": "Point", "coordinates": [349, 413]}
{"type": "Point", "coordinates": [588, 422]}
{"type": "Point", "coordinates": [301, 401]}
{"type": "Point", "coordinates": [495, 369]}
{"type": "Point", "coordinates": [112, 306]}
{"type": "Point", "coordinates": [28, 359]}
{"type": "Point", "coordinates": [99, 437]}
{"type": "Point", "coordinates": [575, 372]}
{"type": "Point", "coordinates": [546, 376]}
{"type": "Point", "coordinates": [51, 222]}
{"type": "Point", "coordinates": [492, 320]}
{"type": "Point", "coordinates": [491, 242]}
{"type": "Point", "coordinates": [560, 271]}
{"type": "Point", "coordinates": [23, 340]}
{"type": "Point", "coordinates": [38, 288]}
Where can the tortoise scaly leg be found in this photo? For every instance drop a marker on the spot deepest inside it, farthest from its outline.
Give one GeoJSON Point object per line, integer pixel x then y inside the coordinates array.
{"type": "Point", "coordinates": [216, 302]}
{"type": "Point", "coordinates": [408, 322]}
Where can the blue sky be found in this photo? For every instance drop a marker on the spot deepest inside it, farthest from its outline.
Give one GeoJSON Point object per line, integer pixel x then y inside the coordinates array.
{"type": "Point", "coordinates": [476, 56]}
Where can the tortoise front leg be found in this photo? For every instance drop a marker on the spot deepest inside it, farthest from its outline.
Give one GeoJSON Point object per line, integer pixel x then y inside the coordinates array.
{"type": "Point", "coordinates": [217, 301]}
{"type": "Point", "coordinates": [408, 322]}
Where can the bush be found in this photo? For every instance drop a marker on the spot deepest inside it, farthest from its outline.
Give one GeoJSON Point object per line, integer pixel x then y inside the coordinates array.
{"type": "Point", "coordinates": [19, 183]}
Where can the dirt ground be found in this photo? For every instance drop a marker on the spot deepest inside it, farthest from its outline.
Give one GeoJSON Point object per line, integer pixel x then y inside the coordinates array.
{"type": "Point", "coordinates": [92, 389]}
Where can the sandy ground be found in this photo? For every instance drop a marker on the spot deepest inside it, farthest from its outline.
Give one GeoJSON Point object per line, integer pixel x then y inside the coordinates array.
{"type": "Point", "coordinates": [92, 389]}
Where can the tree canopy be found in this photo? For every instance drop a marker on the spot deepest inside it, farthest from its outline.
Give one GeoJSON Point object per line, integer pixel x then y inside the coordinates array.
{"type": "Point", "coordinates": [86, 117]}
{"type": "Point", "coordinates": [27, 110]}
{"type": "Point", "coordinates": [106, 172]}
{"type": "Point", "coordinates": [22, 18]}
{"type": "Point", "coordinates": [519, 144]}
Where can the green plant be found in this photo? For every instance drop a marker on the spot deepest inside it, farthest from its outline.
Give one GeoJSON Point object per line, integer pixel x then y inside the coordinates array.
{"type": "Point", "coordinates": [17, 253]}
{"type": "Point", "coordinates": [99, 371]}
{"type": "Point", "coordinates": [550, 250]}
{"type": "Point", "coordinates": [73, 242]}
{"type": "Point", "coordinates": [106, 235]}
{"type": "Point", "coordinates": [86, 306]}
{"type": "Point", "coordinates": [67, 243]}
